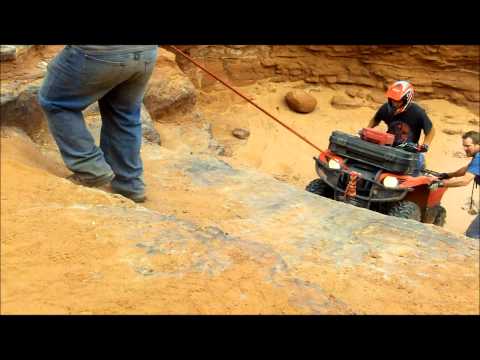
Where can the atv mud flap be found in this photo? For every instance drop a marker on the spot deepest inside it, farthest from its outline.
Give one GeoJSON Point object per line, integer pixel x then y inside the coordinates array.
{"type": "Point", "coordinates": [378, 192]}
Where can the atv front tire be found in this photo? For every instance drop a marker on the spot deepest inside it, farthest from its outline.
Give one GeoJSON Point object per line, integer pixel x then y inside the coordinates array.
{"type": "Point", "coordinates": [406, 210]}
{"type": "Point", "coordinates": [320, 187]}
{"type": "Point", "coordinates": [440, 216]}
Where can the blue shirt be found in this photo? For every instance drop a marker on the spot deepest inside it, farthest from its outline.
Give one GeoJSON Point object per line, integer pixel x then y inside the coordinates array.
{"type": "Point", "coordinates": [474, 167]}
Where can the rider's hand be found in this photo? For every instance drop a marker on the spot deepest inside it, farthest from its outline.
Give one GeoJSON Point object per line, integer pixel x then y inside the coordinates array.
{"type": "Point", "coordinates": [443, 176]}
{"type": "Point", "coordinates": [423, 148]}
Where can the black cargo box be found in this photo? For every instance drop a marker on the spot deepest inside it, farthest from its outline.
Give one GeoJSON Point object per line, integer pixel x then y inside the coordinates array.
{"type": "Point", "coordinates": [382, 156]}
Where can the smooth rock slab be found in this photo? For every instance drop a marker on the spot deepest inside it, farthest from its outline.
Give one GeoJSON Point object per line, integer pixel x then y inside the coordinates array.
{"type": "Point", "coordinates": [260, 247]}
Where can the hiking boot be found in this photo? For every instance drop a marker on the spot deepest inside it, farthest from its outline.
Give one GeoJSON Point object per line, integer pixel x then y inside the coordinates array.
{"type": "Point", "coordinates": [91, 182]}
{"type": "Point", "coordinates": [136, 197]}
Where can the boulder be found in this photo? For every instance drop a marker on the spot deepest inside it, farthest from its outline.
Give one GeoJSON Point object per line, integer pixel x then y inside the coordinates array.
{"type": "Point", "coordinates": [20, 108]}
{"type": "Point", "coordinates": [169, 89]}
{"type": "Point", "coordinates": [300, 101]}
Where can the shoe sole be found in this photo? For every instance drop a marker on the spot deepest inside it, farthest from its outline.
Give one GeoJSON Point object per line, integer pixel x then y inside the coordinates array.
{"type": "Point", "coordinates": [100, 181]}
{"type": "Point", "coordinates": [136, 198]}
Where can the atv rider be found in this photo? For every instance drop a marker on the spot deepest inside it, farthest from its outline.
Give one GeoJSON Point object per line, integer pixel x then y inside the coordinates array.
{"type": "Point", "coordinates": [404, 118]}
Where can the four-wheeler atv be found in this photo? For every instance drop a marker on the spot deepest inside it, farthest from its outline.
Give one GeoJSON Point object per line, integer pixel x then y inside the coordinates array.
{"type": "Point", "coordinates": [367, 171]}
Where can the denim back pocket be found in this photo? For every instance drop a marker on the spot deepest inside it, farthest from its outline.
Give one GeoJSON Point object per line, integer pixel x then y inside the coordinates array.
{"type": "Point", "coordinates": [104, 69]}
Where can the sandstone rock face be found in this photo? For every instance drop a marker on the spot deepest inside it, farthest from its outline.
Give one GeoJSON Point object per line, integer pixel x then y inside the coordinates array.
{"type": "Point", "coordinates": [437, 72]}
{"type": "Point", "coordinates": [12, 52]}
{"type": "Point", "coordinates": [265, 247]}
{"type": "Point", "coordinates": [169, 89]}
{"type": "Point", "coordinates": [344, 102]}
{"type": "Point", "coordinates": [300, 101]}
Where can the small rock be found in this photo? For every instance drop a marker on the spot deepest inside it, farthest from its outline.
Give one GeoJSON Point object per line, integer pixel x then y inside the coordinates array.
{"type": "Point", "coordinates": [227, 151]}
{"type": "Point", "coordinates": [241, 133]}
{"type": "Point", "coordinates": [452, 131]}
{"type": "Point", "coordinates": [300, 101]}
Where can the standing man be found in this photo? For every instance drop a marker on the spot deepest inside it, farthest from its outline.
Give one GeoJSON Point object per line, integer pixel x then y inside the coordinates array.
{"type": "Point", "coordinates": [404, 118]}
{"type": "Point", "coordinates": [116, 76]}
{"type": "Point", "coordinates": [465, 175]}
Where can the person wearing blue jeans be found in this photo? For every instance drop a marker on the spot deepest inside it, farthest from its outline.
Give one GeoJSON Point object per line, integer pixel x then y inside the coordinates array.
{"type": "Point", "coordinates": [465, 175]}
{"type": "Point", "coordinates": [116, 76]}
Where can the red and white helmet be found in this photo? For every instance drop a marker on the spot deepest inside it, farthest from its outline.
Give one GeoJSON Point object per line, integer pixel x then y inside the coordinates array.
{"type": "Point", "coordinates": [400, 91]}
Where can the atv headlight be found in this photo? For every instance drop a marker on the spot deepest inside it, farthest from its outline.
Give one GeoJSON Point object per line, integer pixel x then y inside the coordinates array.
{"type": "Point", "coordinates": [390, 182]}
{"type": "Point", "coordinates": [334, 164]}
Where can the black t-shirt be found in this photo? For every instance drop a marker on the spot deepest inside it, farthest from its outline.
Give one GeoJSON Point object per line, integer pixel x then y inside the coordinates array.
{"type": "Point", "coordinates": [406, 126]}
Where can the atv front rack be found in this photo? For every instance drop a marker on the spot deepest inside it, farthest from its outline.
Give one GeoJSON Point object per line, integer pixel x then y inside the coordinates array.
{"type": "Point", "coordinates": [378, 192]}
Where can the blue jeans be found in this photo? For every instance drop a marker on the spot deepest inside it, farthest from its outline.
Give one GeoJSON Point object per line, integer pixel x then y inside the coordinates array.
{"type": "Point", "coordinates": [76, 79]}
{"type": "Point", "coordinates": [473, 230]}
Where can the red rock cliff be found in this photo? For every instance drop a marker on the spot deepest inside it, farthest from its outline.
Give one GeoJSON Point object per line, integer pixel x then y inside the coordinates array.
{"type": "Point", "coordinates": [441, 72]}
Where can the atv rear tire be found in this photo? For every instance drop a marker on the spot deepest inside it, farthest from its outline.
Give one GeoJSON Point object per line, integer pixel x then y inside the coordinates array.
{"type": "Point", "coordinates": [406, 210]}
{"type": "Point", "coordinates": [320, 187]}
{"type": "Point", "coordinates": [441, 215]}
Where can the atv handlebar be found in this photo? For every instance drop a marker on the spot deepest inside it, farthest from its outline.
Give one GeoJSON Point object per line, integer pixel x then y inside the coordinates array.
{"type": "Point", "coordinates": [413, 148]}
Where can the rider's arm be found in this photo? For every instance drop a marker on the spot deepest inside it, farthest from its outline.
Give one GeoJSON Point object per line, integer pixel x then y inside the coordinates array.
{"type": "Point", "coordinates": [373, 123]}
{"type": "Point", "coordinates": [380, 115]}
{"type": "Point", "coordinates": [429, 137]}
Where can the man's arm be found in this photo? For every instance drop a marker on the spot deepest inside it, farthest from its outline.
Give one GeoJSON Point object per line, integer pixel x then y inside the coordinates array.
{"type": "Point", "coordinates": [458, 181]}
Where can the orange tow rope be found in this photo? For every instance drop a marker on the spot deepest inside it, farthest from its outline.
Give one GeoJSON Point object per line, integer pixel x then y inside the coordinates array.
{"type": "Point", "coordinates": [244, 97]}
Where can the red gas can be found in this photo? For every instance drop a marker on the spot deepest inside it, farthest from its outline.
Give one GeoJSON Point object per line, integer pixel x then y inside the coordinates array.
{"type": "Point", "coordinates": [376, 136]}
